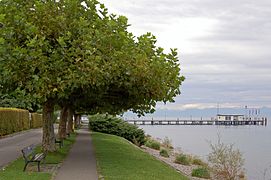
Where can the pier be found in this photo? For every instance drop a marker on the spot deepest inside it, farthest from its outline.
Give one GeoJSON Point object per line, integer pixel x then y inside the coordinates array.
{"type": "Point", "coordinates": [258, 121]}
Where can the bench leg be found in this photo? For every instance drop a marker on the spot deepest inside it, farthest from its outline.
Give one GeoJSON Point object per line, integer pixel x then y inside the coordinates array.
{"type": "Point", "coordinates": [25, 166]}
{"type": "Point", "coordinates": [39, 166]}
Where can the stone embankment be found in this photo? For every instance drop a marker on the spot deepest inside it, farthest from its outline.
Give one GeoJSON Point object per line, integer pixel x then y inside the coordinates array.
{"type": "Point", "coordinates": [186, 170]}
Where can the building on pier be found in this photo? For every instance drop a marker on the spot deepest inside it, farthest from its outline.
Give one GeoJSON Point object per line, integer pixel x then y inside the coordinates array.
{"type": "Point", "coordinates": [230, 117]}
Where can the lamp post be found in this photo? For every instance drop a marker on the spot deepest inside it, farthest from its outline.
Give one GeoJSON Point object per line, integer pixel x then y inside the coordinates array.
{"type": "Point", "coordinates": [246, 111]}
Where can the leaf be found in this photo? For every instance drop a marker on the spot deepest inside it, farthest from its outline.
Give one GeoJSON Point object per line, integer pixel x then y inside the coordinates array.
{"type": "Point", "coordinates": [61, 41]}
{"type": "Point", "coordinates": [102, 6]}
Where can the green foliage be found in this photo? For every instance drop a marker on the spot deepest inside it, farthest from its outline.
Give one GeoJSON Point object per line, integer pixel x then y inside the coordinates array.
{"type": "Point", "coordinates": [183, 159]}
{"type": "Point", "coordinates": [198, 161]}
{"type": "Point", "coordinates": [117, 159]}
{"type": "Point", "coordinates": [153, 144]}
{"type": "Point", "coordinates": [13, 120]}
{"type": "Point", "coordinates": [113, 125]}
{"type": "Point", "coordinates": [18, 99]}
{"type": "Point", "coordinates": [80, 53]}
{"type": "Point", "coordinates": [201, 172]}
{"type": "Point", "coordinates": [164, 153]}
{"type": "Point", "coordinates": [36, 120]}
{"type": "Point", "coordinates": [226, 161]}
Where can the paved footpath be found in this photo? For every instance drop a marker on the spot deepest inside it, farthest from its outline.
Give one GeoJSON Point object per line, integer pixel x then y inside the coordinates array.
{"type": "Point", "coordinates": [80, 163]}
{"type": "Point", "coordinates": [10, 147]}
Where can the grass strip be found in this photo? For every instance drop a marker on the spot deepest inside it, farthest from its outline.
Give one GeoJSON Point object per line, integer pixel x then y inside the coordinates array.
{"type": "Point", "coordinates": [117, 159]}
{"type": "Point", "coordinates": [15, 169]}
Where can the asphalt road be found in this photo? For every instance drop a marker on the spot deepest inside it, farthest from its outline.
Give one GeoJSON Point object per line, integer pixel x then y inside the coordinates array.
{"type": "Point", "coordinates": [10, 147]}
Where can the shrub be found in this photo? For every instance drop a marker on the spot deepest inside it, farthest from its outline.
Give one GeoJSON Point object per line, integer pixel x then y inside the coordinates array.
{"type": "Point", "coordinates": [13, 120]}
{"type": "Point", "coordinates": [113, 125]}
{"type": "Point", "coordinates": [36, 120]}
{"type": "Point", "coordinates": [201, 172]}
{"type": "Point", "coordinates": [197, 161]}
{"type": "Point", "coordinates": [182, 159]}
{"type": "Point", "coordinates": [153, 144]}
{"type": "Point", "coordinates": [226, 162]}
{"type": "Point", "coordinates": [164, 153]}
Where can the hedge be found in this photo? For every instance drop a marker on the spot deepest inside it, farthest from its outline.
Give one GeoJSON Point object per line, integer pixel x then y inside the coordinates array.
{"type": "Point", "coordinates": [36, 120]}
{"type": "Point", "coordinates": [13, 120]}
{"type": "Point", "coordinates": [113, 125]}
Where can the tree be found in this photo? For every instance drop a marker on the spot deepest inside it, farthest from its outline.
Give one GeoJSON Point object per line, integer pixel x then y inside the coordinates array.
{"type": "Point", "coordinates": [75, 51]}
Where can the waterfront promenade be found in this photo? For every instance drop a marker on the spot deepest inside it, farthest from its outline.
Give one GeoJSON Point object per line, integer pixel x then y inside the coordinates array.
{"type": "Point", "coordinates": [81, 161]}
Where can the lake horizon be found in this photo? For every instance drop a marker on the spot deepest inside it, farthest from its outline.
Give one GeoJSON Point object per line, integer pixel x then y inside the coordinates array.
{"type": "Point", "coordinates": [252, 140]}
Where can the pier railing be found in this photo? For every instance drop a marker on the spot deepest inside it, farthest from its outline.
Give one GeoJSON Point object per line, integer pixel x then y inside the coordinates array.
{"type": "Point", "coordinates": [258, 121]}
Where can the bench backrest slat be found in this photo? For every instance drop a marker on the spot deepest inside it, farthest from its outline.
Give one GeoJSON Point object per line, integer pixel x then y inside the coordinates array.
{"type": "Point", "coordinates": [27, 151]}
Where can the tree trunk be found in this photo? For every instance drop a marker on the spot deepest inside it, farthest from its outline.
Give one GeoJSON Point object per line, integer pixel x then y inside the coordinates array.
{"type": "Point", "coordinates": [63, 123]}
{"type": "Point", "coordinates": [70, 121]}
{"type": "Point", "coordinates": [77, 118]}
{"type": "Point", "coordinates": [48, 138]}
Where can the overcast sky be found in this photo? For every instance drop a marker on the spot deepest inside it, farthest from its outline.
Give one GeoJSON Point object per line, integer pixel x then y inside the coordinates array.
{"type": "Point", "coordinates": [224, 47]}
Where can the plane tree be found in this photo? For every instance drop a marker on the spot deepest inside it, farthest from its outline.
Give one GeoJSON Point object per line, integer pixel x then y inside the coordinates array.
{"type": "Point", "coordinates": [74, 52]}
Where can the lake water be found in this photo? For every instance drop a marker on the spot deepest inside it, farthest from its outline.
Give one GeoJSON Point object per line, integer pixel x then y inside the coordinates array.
{"type": "Point", "coordinates": [253, 141]}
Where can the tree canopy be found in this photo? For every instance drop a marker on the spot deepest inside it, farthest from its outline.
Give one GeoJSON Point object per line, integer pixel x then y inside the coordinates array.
{"type": "Point", "coordinates": [75, 51]}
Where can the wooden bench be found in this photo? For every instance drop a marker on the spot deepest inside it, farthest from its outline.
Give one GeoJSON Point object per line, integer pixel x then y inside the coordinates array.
{"type": "Point", "coordinates": [60, 142]}
{"type": "Point", "coordinates": [30, 156]}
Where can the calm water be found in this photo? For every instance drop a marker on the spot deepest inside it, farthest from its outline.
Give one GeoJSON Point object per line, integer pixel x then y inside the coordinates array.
{"type": "Point", "coordinates": [253, 141]}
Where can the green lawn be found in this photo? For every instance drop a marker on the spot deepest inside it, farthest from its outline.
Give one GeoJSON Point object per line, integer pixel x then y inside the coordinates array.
{"type": "Point", "coordinates": [15, 169]}
{"type": "Point", "coordinates": [117, 159]}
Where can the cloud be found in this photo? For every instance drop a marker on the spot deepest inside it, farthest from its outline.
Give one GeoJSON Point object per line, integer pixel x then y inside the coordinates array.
{"type": "Point", "coordinates": [201, 106]}
{"type": "Point", "coordinates": [224, 47]}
